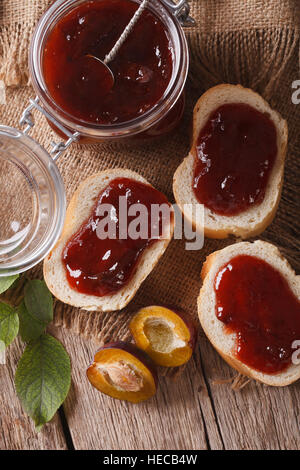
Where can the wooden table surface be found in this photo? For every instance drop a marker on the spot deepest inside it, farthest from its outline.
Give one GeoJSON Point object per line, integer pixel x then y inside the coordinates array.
{"type": "Point", "coordinates": [195, 412]}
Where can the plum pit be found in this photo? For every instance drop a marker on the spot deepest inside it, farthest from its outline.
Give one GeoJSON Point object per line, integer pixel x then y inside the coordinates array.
{"type": "Point", "coordinates": [123, 371]}
{"type": "Point", "coordinates": [122, 376]}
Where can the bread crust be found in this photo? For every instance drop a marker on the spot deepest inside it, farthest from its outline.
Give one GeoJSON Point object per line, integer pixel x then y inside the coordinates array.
{"type": "Point", "coordinates": [52, 263]}
{"type": "Point", "coordinates": [226, 226]}
{"type": "Point", "coordinates": [214, 261]}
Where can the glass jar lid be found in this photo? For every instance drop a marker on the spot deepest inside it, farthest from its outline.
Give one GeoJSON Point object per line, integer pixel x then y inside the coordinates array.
{"type": "Point", "coordinates": [33, 204]}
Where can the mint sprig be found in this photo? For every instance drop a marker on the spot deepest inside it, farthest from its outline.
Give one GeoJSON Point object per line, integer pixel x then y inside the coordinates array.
{"type": "Point", "coordinates": [9, 323]}
{"type": "Point", "coordinates": [43, 374]}
{"type": "Point", "coordinates": [30, 328]}
{"type": "Point", "coordinates": [43, 378]}
{"type": "Point", "coordinates": [7, 282]}
{"type": "Point", "coordinates": [38, 301]}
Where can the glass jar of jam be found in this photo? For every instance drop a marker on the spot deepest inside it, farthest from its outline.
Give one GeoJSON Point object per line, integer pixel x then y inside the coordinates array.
{"type": "Point", "coordinates": [31, 188]}
{"type": "Point", "coordinates": [150, 69]}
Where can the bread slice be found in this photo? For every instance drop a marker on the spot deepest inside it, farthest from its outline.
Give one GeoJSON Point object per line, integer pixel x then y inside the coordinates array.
{"type": "Point", "coordinates": [78, 211]}
{"type": "Point", "coordinates": [224, 342]}
{"type": "Point", "coordinates": [254, 220]}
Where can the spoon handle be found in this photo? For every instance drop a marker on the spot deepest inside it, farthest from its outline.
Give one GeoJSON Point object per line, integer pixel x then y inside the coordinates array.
{"type": "Point", "coordinates": [111, 55]}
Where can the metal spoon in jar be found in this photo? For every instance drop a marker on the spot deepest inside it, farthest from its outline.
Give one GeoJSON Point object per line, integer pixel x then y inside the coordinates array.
{"type": "Point", "coordinates": [106, 74]}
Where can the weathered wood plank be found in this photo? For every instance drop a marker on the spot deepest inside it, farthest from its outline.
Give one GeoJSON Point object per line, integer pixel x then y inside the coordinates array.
{"type": "Point", "coordinates": [17, 429]}
{"type": "Point", "coordinates": [257, 417]}
{"type": "Point", "coordinates": [179, 417]}
{"type": "Point", "coordinates": [182, 416]}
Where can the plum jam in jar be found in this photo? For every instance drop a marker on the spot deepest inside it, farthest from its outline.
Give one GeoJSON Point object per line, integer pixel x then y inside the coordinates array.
{"type": "Point", "coordinates": [150, 69]}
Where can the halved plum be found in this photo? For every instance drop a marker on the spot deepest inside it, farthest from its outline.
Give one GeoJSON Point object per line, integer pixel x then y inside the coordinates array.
{"type": "Point", "coordinates": [123, 371]}
{"type": "Point", "coordinates": [166, 334]}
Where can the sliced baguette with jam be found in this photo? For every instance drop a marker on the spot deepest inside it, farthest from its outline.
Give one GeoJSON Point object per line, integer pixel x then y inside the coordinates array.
{"type": "Point", "coordinates": [250, 222]}
{"type": "Point", "coordinates": [223, 341]}
{"type": "Point", "coordinates": [78, 211]}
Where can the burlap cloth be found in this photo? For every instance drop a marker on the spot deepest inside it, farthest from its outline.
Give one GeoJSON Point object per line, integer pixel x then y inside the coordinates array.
{"type": "Point", "coordinates": [252, 42]}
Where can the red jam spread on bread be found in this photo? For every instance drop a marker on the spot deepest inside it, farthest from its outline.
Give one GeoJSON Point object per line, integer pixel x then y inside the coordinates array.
{"type": "Point", "coordinates": [235, 153]}
{"type": "Point", "coordinates": [101, 266]}
{"type": "Point", "coordinates": [255, 302]}
{"type": "Point", "coordinates": [142, 68]}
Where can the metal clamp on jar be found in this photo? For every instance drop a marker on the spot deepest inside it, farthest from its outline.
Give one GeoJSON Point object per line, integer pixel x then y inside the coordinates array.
{"type": "Point", "coordinates": [31, 187]}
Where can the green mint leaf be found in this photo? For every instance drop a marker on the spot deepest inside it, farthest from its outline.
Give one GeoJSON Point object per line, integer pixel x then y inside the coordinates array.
{"type": "Point", "coordinates": [39, 427]}
{"type": "Point", "coordinates": [6, 282]}
{"type": "Point", "coordinates": [9, 323]}
{"type": "Point", "coordinates": [2, 352]}
{"type": "Point", "coordinates": [38, 301]}
{"type": "Point", "coordinates": [30, 328]}
{"type": "Point", "coordinates": [43, 378]}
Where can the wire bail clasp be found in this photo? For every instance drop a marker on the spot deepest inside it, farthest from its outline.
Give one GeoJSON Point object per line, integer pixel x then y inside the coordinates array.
{"type": "Point", "coordinates": [181, 9]}
{"type": "Point", "coordinates": [27, 120]}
